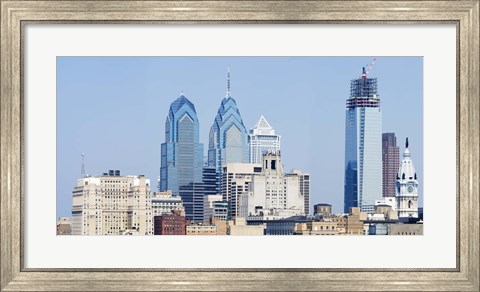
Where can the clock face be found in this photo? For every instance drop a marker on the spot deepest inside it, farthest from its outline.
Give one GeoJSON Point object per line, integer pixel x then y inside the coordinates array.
{"type": "Point", "coordinates": [410, 189]}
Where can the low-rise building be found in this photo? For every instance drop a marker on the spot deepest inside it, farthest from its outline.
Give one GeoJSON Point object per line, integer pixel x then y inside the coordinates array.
{"type": "Point", "coordinates": [355, 221]}
{"type": "Point", "coordinates": [316, 228]}
{"type": "Point", "coordinates": [322, 209]}
{"type": "Point", "coordinates": [215, 207]}
{"type": "Point", "coordinates": [405, 229]}
{"type": "Point", "coordinates": [64, 226]}
{"type": "Point", "coordinates": [200, 229]}
{"type": "Point", "coordinates": [240, 227]}
{"type": "Point", "coordinates": [165, 203]}
{"type": "Point", "coordinates": [170, 224]}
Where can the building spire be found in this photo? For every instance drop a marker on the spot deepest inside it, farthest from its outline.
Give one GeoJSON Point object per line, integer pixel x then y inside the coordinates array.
{"type": "Point", "coordinates": [406, 143]}
{"type": "Point", "coordinates": [228, 82]}
{"type": "Point", "coordinates": [83, 165]}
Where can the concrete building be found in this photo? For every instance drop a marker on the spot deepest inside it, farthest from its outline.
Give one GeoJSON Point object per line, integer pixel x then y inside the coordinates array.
{"type": "Point", "coordinates": [239, 226]}
{"type": "Point", "coordinates": [110, 204]}
{"type": "Point", "coordinates": [363, 145]}
{"type": "Point", "coordinates": [322, 209]}
{"type": "Point", "coordinates": [215, 207]}
{"type": "Point", "coordinates": [387, 211]}
{"type": "Point", "coordinates": [165, 203]}
{"type": "Point", "coordinates": [262, 138]}
{"type": "Point", "coordinates": [236, 180]}
{"type": "Point", "coordinates": [64, 226]}
{"type": "Point", "coordinates": [304, 185]}
{"type": "Point", "coordinates": [390, 164]}
{"type": "Point", "coordinates": [251, 188]}
{"type": "Point", "coordinates": [283, 226]}
{"type": "Point", "coordinates": [228, 139]}
{"type": "Point", "coordinates": [355, 221]}
{"type": "Point", "coordinates": [405, 229]}
{"type": "Point", "coordinates": [273, 189]}
{"type": "Point", "coordinates": [316, 228]}
{"type": "Point", "coordinates": [200, 229]}
{"type": "Point", "coordinates": [407, 187]}
{"type": "Point", "coordinates": [170, 224]}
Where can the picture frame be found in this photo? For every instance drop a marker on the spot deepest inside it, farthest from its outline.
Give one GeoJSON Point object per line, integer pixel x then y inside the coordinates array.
{"type": "Point", "coordinates": [15, 14]}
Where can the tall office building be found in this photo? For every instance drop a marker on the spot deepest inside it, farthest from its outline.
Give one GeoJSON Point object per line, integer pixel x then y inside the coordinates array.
{"type": "Point", "coordinates": [181, 168]}
{"type": "Point", "coordinates": [261, 139]}
{"type": "Point", "coordinates": [390, 164]}
{"type": "Point", "coordinates": [228, 139]}
{"type": "Point", "coordinates": [252, 189]}
{"type": "Point", "coordinates": [407, 187]}
{"type": "Point", "coordinates": [111, 204]}
{"type": "Point", "coordinates": [363, 145]}
{"type": "Point", "coordinates": [304, 185]}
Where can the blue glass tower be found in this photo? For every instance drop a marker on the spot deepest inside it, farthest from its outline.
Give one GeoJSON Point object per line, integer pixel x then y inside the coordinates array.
{"type": "Point", "coordinates": [228, 139]}
{"type": "Point", "coordinates": [181, 168]}
{"type": "Point", "coordinates": [363, 145]}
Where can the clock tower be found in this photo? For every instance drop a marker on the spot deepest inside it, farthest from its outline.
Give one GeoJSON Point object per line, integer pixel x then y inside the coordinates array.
{"type": "Point", "coordinates": [407, 187]}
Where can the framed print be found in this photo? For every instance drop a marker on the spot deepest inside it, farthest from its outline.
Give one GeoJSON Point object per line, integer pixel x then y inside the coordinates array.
{"type": "Point", "coordinates": [261, 123]}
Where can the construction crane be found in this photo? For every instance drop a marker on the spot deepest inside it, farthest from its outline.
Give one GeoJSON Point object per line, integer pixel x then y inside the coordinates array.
{"type": "Point", "coordinates": [368, 68]}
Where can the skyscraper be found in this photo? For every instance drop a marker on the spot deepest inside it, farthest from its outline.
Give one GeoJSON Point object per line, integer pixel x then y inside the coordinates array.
{"type": "Point", "coordinates": [181, 168]}
{"type": "Point", "coordinates": [363, 145]}
{"type": "Point", "coordinates": [228, 140]}
{"type": "Point", "coordinates": [390, 164]}
{"type": "Point", "coordinates": [262, 138]}
{"type": "Point", "coordinates": [407, 187]}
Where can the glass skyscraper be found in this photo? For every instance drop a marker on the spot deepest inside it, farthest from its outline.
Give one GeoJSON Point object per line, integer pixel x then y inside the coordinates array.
{"type": "Point", "coordinates": [181, 168]}
{"type": "Point", "coordinates": [363, 145]}
{"type": "Point", "coordinates": [228, 139]}
{"type": "Point", "coordinates": [262, 138]}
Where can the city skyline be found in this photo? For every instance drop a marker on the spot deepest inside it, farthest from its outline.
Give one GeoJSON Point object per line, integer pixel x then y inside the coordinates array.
{"type": "Point", "coordinates": [246, 78]}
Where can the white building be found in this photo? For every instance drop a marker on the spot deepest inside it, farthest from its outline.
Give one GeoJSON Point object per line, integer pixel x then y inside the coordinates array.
{"type": "Point", "coordinates": [407, 187]}
{"type": "Point", "coordinates": [251, 188]}
{"type": "Point", "coordinates": [111, 204]}
{"type": "Point", "coordinates": [262, 138]}
{"type": "Point", "coordinates": [304, 186]}
{"type": "Point", "coordinates": [215, 206]}
{"type": "Point", "coordinates": [165, 202]}
{"type": "Point", "coordinates": [236, 180]}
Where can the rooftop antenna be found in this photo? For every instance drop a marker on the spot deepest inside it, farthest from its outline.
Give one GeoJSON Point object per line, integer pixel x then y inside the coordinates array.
{"type": "Point", "coordinates": [83, 164]}
{"type": "Point", "coordinates": [228, 82]}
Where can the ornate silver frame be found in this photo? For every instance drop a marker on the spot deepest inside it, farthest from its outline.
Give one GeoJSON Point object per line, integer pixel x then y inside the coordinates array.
{"type": "Point", "coordinates": [15, 14]}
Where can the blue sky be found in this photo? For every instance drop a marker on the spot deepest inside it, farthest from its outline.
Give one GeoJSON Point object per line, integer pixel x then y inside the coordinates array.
{"type": "Point", "coordinates": [114, 109]}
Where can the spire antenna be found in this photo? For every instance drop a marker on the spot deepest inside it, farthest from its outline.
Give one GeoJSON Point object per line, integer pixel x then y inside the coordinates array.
{"type": "Point", "coordinates": [406, 143]}
{"type": "Point", "coordinates": [228, 82]}
{"type": "Point", "coordinates": [83, 165]}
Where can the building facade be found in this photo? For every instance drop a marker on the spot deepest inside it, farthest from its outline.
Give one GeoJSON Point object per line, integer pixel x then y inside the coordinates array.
{"type": "Point", "coordinates": [262, 138]}
{"type": "Point", "coordinates": [110, 204]}
{"type": "Point", "coordinates": [322, 209]}
{"type": "Point", "coordinates": [170, 224]}
{"type": "Point", "coordinates": [363, 145]}
{"type": "Point", "coordinates": [64, 226]}
{"type": "Point", "coordinates": [181, 168]}
{"type": "Point", "coordinates": [236, 179]}
{"type": "Point", "coordinates": [165, 203]}
{"type": "Point", "coordinates": [215, 207]}
{"type": "Point", "coordinates": [273, 189]}
{"type": "Point", "coordinates": [390, 164]}
{"type": "Point", "coordinates": [228, 139]}
{"type": "Point", "coordinates": [304, 185]}
{"type": "Point", "coordinates": [407, 187]}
